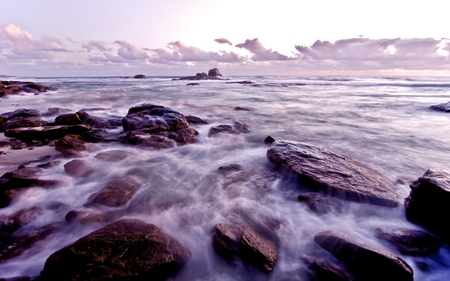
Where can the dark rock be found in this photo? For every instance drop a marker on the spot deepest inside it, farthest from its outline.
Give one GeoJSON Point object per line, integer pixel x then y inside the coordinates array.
{"type": "Point", "coordinates": [192, 84]}
{"type": "Point", "coordinates": [116, 193]}
{"type": "Point", "coordinates": [238, 128]}
{"type": "Point", "coordinates": [320, 204]}
{"type": "Point", "coordinates": [334, 173]}
{"type": "Point", "coordinates": [326, 270]}
{"type": "Point", "coordinates": [225, 170]}
{"type": "Point", "coordinates": [22, 113]}
{"type": "Point", "coordinates": [18, 278]}
{"type": "Point", "coordinates": [100, 135]}
{"type": "Point", "coordinates": [23, 122]}
{"type": "Point", "coordinates": [269, 140]}
{"type": "Point", "coordinates": [25, 177]}
{"type": "Point", "coordinates": [123, 250]}
{"type": "Point", "coordinates": [68, 119]}
{"type": "Point", "coordinates": [52, 111]}
{"type": "Point", "coordinates": [46, 132]}
{"type": "Point", "coordinates": [49, 164]}
{"type": "Point", "coordinates": [139, 76]}
{"type": "Point", "coordinates": [98, 122]}
{"type": "Point", "coordinates": [214, 72]}
{"type": "Point", "coordinates": [38, 160]}
{"type": "Point", "coordinates": [442, 107]}
{"type": "Point", "coordinates": [410, 242]}
{"type": "Point", "coordinates": [241, 82]}
{"type": "Point", "coordinates": [19, 219]}
{"type": "Point", "coordinates": [88, 216]}
{"type": "Point", "coordinates": [77, 168]}
{"type": "Point", "coordinates": [195, 120]}
{"type": "Point", "coordinates": [364, 261]}
{"type": "Point", "coordinates": [154, 118]}
{"type": "Point", "coordinates": [112, 155]}
{"type": "Point", "coordinates": [186, 136]}
{"type": "Point", "coordinates": [70, 146]}
{"type": "Point", "coordinates": [239, 108]}
{"type": "Point", "coordinates": [147, 140]}
{"type": "Point", "coordinates": [429, 202]}
{"type": "Point", "coordinates": [258, 250]}
{"type": "Point", "coordinates": [226, 240]}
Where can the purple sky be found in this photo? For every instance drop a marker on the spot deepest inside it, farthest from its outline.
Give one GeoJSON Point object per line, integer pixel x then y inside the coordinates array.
{"type": "Point", "coordinates": [177, 37]}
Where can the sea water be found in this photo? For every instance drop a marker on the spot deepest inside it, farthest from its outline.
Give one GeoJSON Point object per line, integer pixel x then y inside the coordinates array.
{"type": "Point", "coordinates": [384, 122]}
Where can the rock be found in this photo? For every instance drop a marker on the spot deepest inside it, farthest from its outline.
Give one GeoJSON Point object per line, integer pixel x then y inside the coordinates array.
{"type": "Point", "coordinates": [226, 240]}
{"type": "Point", "coordinates": [186, 136]}
{"type": "Point", "coordinates": [320, 204]}
{"type": "Point", "coordinates": [89, 216]}
{"type": "Point", "coordinates": [23, 122]}
{"type": "Point", "coordinates": [41, 159]}
{"type": "Point", "coordinates": [238, 128]}
{"type": "Point", "coordinates": [123, 250]}
{"type": "Point", "coordinates": [25, 177]}
{"type": "Point", "coordinates": [154, 118]}
{"type": "Point", "coordinates": [326, 270]}
{"type": "Point", "coordinates": [78, 168]}
{"type": "Point", "coordinates": [239, 108]}
{"type": "Point", "coordinates": [334, 173]}
{"type": "Point", "coordinates": [241, 82]}
{"type": "Point", "coordinates": [46, 132]}
{"type": "Point", "coordinates": [70, 146]}
{"type": "Point", "coordinates": [214, 72]}
{"type": "Point", "coordinates": [258, 250]}
{"type": "Point", "coordinates": [116, 193]}
{"type": "Point", "coordinates": [139, 76]}
{"type": "Point", "coordinates": [19, 219]}
{"type": "Point", "coordinates": [429, 202]}
{"type": "Point", "coordinates": [410, 242]}
{"type": "Point", "coordinates": [269, 140]}
{"type": "Point", "coordinates": [68, 119]}
{"type": "Point", "coordinates": [195, 120]}
{"type": "Point", "coordinates": [442, 107]}
{"type": "Point", "coordinates": [147, 140]}
{"type": "Point", "coordinates": [22, 113]}
{"type": "Point", "coordinates": [112, 155]}
{"type": "Point", "coordinates": [192, 84]}
{"type": "Point", "coordinates": [100, 135]}
{"type": "Point", "coordinates": [225, 170]}
{"type": "Point", "coordinates": [364, 261]}
{"type": "Point", "coordinates": [98, 122]}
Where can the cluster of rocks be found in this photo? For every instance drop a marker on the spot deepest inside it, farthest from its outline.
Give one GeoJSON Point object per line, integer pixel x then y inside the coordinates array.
{"type": "Point", "coordinates": [14, 87]}
{"type": "Point", "coordinates": [213, 74]}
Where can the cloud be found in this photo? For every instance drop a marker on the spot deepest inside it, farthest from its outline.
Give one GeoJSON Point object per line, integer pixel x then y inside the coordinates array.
{"type": "Point", "coordinates": [95, 45]}
{"type": "Point", "coordinates": [179, 52]}
{"type": "Point", "coordinates": [130, 51]}
{"type": "Point", "coordinates": [259, 52]}
{"type": "Point", "coordinates": [223, 41]}
{"type": "Point", "coordinates": [20, 44]}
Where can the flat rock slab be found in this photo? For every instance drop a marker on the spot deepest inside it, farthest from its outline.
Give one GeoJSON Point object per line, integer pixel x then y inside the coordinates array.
{"type": "Point", "coordinates": [116, 193]}
{"type": "Point", "coordinates": [46, 132]}
{"type": "Point", "coordinates": [429, 202]}
{"type": "Point", "coordinates": [336, 174]}
{"type": "Point", "coordinates": [124, 250]}
{"type": "Point", "coordinates": [410, 242]}
{"type": "Point", "coordinates": [366, 262]}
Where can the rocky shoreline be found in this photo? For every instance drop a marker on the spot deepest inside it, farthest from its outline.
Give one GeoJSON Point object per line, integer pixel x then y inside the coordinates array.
{"type": "Point", "coordinates": [130, 249]}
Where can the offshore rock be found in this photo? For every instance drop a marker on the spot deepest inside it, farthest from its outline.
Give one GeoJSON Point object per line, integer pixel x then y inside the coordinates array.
{"type": "Point", "coordinates": [70, 146]}
{"type": "Point", "coordinates": [410, 242]}
{"type": "Point", "coordinates": [46, 132]}
{"type": "Point", "coordinates": [148, 140]}
{"type": "Point", "coordinates": [214, 72]}
{"type": "Point", "coordinates": [22, 113]}
{"type": "Point", "coordinates": [116, 193]}
{"type": "Point", "coordinates": [196, 120]}
{"type": "Point", "coordinates": [68, 119]}
{"type": "Point", "coordinates": [99, 122]}
{"type": "Point", "coordinates": [429, 202]}
{"type": "Point", "coordinates": [23, 122]}
{"type": "Point", "coordinates": [24, 178]}
{"type": "Point", "coordinates": [77, 168]}
{"type": "Point", "coordinates": [123, 250]}
{"type": "Point", "coordinates": [442, 107]}
{"type": "Point", "coordinates": [139, 76]}
{"type": "Point", "coordinates": [237, 128]}
{"type": "Point", "coordinates": [333, 173]}
{"type": "Point", "coordinates": [364, 261]}
{"type": "Point", "coordinates": [153, 118]}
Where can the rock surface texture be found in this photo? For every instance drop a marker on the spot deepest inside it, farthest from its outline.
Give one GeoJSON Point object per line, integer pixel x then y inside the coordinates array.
{"type": "Point", "coordinates": [429, 202]}
{"type": "Point", "coordinates": [364, 261]}
{"type": "Point", "coordinates": [333, 173]}
{"type": "Point", "coordinates": [123, 250]}
{"type": "Point", "coordinates": [442, 107]}
{"type": "Point", "coordinates": [410, 242]}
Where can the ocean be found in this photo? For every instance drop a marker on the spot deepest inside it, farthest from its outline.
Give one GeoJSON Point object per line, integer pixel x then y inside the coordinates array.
{"type": "Point", "coordinates": [384, 122]}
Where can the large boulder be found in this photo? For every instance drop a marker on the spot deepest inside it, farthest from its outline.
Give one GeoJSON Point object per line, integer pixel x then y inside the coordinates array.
{"type": "Point", "coordinates": [78, 168]}
{"type": "Point", "coordinates": [429, 202]}
{"type": "Point", "coordinates": [364, 261]}
{"type": "Point", "coordinates": [154, 118]}
{"type": "Point", "coordinates": [237, 128]}
{"type": "Point", "coordinates": [214, 73]}
{"type": "Point", "coordinates": [124, 250]}
{"type": "Point", "coordinates": [410, 242]}
{"type": "Point", "coordinates": [333, 173]}
{"type": "Point", "coordinates": [116, 193]}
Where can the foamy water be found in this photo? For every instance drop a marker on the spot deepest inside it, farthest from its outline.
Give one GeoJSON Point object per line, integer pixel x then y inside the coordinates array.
{"type": "Point", "coordinates": [383, 122]}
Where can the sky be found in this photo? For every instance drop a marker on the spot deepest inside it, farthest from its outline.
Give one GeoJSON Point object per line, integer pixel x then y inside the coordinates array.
{"type": "Point", "coordinates": [48, 38]}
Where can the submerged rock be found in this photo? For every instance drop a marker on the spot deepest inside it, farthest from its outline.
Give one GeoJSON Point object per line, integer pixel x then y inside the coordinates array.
{"type": "Point", "coordinates": [442, 107]}
{"type": "Point", "coordinates": [326, 270]}
{"type": "Point", "coordinates": [112, 155]}
{"type": "Point", "coordinates": [333, 173]}
{"type": "Point", "coordinates": [410, 242]}
{"type": "Point", "coordinates": [123, 250]}
{"type": "Point", "coordinates": [226, 240]}
{"type": "Point", "coordinates": [429, 202]}
{"type": "Point", "coordinates": [321, 204]}
{"type": "Point", "coordinates": [46, 132]}
{"type": "Point", "coordinates": [99, 122]}
{"type": "Point", "coordinates": [237, 128]}
{"type": "Point", "coordinates": [139, 76]}
{"type": "Point", "coordinates": [116, 193]}
{"type": "Point", "coordinates": [195, 120]}
{"type": "Point", "coordinates": [68, 119]}
{"type": "Point", "coordinates": [19, 219]}
{"type": "Point", "coordinates": [78, 168]}
{"type": "Point", "coordinates": [70, 146]}
{"type": "Point", "coordinates": [364, 261]}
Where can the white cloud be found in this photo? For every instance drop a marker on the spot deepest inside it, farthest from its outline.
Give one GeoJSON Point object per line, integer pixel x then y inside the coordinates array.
{"type": "Point", "coordinates": [259, 52]}
{"type": "Point", "coordinates": [130, 51]}
{"type": "Point", "coordinates": [223, 41]}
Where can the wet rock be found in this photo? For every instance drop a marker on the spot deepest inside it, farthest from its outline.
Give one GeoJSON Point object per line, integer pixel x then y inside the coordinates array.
{"type": "Point", "coordinates": [123, 250]}
{"type": "Point", "coordinates": [239, 108]}
{"type": "Point", "coordinates": [98, 122]}
{"type": "Point", "coordinates": [258, 250]}
{"type": "Point", "coordinates": [78, 168]}
{"type": "Point", "coordinates": [68, 119]}
{"type": "Point", "coordinates": [333, 173]}
{"type": "Point", "coordinates": [186, 136]}
{"type": "Point", "coordinates": [410, 242]}
{"type": "Point", "coordinates": [148, 140]}
{"type": "Point", "coordinates": [442, 107]}
{"type": "Point", "coordinates": [23, 178]}
{"type": "Point", "coordinates": [70, 146]}
{"type": "Point", "coordinates": [101, 135]}
{"type": "Point", "coordinates": [429, 202]}
{"type": "Point", "coordinates": [139, 76]}
{"type": "Point", "coordinates": [52, 111]}
{"type": "Point", "coordinates": [326, 270]}
{"type": "Point", "coordinates": [16, 245]}
{"type": "Point", "coordinates": [49, 165]}
{"type": "Point", "coordinates": [214, 72]}
{"type": "Point", "coordinates": [154, 118]}
{"type": "Point", "coordinates": [19, 219]}
{"type": "Point", "coordinates": [226, 240]}
{"type": "Point", "coordinates": [321, 204]}
{"type": "Point", "coordinates": [192, 84]}
{"type": "Point", "coordinates": [41, 159]}
{"type": "Point", "coordinates": [195, 120]}
{"type": "Point", "coordinates": [23, 122]}
{"type": "Point", "coordinates": [238, 128]}
{"type": "Point", "coordinates": [22, 113]}
{"type": "Point", "coordinates": [241, 82]}
{"type": "Point", "coordinates": [112, 155]}
{"type": "Point", "coordinates": [226, 170]}
{"type": "Point", "coordinates": [46, 132]}
{"type": "Point", "coordinates": [364, 261]}
{"type": "Point", "coordinates": [116, 193]}
{"type": "Point", "coordinates": [269, 140]}
{"type": "Point", "coordinates": [89, 216]}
